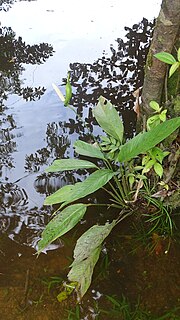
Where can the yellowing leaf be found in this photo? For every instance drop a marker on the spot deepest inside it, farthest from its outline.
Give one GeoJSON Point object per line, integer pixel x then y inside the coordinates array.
{"type": "Point", "coordinates": [86, 254]}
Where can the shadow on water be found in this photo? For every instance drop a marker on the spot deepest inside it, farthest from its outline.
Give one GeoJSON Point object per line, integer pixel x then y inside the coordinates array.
{"type": "Point", "coordinates": [114, 76]}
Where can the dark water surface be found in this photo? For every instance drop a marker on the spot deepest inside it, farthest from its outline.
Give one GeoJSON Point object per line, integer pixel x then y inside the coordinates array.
{"type": "Point", "coordinates": [39, 42]}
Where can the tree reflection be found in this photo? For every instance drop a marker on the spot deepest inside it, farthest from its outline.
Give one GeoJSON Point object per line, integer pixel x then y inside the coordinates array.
{"type": "Point", "coordinates": [7, 144]}
{"type": "Point", "coordinates": [58, 142]}
{"type": "Point", "coordinates": [7, 4]}
{"type": "Point", "coordinates": [115, 76]}
{"type": "Point", "coordinates": [13, 53]}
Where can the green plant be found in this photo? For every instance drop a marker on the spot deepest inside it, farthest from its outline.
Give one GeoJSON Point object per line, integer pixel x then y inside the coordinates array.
{"type": "Point", "coordinates": [51, 282]}
{"type": "Point", "coordinates": [160, 115]}
{"type": "Point", "coordinates": [169, 59]}
{"type": "Point", "coordinates": [122, 309]}
{"type": "Point", "coordinates": [74, 314]}
{"type": "Point", "coordinates": [112, 175]}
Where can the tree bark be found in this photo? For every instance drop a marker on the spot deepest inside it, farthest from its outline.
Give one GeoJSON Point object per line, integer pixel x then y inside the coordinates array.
{"type": "Point", "coordinates": [166, 30]}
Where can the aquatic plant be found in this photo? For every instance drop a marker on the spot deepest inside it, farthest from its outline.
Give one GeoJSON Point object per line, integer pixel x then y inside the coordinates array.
{"type": "Point", "coordinates": [113, 173]}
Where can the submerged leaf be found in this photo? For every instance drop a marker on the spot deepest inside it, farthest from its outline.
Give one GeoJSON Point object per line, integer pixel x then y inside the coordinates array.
{"type": "Point", "coordinates": [82, 271]}
{"type": "Point", "coordinates": [79, 190]}
{"type": "Point", "coordinates": [61, 224]}
{"type": "Point", "coordinates": [70, 164]}
{"type": "Point", "coordinates": [87, 149]}
{"type": "Point", "coordinates": [108, 118]}
{"type": "Point", "coordinates": [86, 254]}
{"type": "Point", "coordinates": [90, 240]}
{"type": "Point", "coordinates": [147, 140]}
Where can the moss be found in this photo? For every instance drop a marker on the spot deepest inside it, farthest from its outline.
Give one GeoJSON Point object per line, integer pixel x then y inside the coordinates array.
{"type": "Point", "coordinates": [176, 103]}
{"type": "Point", "coordinates": [174, 200]}
{"type": "Point", "coordinates": [148, 61]}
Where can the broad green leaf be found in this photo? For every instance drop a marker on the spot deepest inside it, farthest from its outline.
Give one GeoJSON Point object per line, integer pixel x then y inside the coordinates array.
{"type": "Point", "coordinates": [108, 118]}
{"type": "Point", "coordinates": [178, 54]}
{"type": "Point", "coordinates": [70, 164]}
{"type": "Point", "coordinates": [173, 68]}
{"type": "Point", "coordinates": [90, 240]}
{"type": "Point", "coordinates": [87, 149]}
{"type": "Point", "coordinates": [155, 106]}
{"type": "Point", "coordinates": [147, 140]}
{"type": "Point", "coordinates": [158, 169]}
{"type": "Point", "coordinates": [165, 57]}
{"type": "Point", "coordinates": [61, 224]}
{"type": "Point", "coordinates": [79, 190]}
{"type": "Point", "coordinates": [82, 271]}
{"type": "Point", "coordinates": [86, 254]}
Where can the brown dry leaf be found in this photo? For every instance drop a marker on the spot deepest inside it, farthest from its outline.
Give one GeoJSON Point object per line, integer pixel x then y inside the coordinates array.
{"type": "Point", "coordinates": [157, 241]}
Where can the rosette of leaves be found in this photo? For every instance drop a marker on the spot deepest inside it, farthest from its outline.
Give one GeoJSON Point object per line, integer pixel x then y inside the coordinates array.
{"type": "Point", "coordinates": [160, 115]}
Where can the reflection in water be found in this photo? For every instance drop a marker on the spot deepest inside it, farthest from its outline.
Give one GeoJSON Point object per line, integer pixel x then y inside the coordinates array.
{"type": "Point", "coordinates": [115, 77]}
{"type": "Point", "coordinates": [6, 4]}
{"type": "Point", "coordinates": [15, 215]}
{"type": "Point", "coordinates": [13, 53]}
{"type": "Point", "coordinates": [58, 142]}
{"type": "Point", "coordinates": [7, 142]}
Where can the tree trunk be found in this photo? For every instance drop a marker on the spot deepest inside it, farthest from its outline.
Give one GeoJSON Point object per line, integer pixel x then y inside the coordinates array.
{"type": "Point", "coordinates": [166, 30]}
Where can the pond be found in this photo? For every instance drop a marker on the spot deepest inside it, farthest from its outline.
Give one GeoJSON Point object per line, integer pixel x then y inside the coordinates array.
{"type": "Point", "coordinates": [104, 46]}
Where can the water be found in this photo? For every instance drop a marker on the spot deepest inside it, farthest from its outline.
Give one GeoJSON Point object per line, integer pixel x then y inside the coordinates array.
{"type": "Point", "coordinates": [45, 40]}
